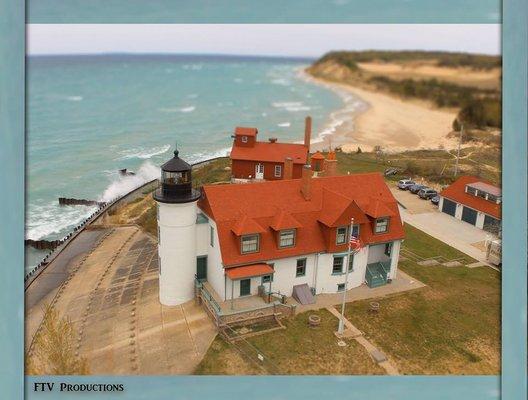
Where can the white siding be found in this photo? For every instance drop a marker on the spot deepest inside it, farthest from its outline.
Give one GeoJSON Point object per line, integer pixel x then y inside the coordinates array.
{"type": "Point", "coordinates": [480, 220]}
{"type": "Point", "coordinates": [215, 270]}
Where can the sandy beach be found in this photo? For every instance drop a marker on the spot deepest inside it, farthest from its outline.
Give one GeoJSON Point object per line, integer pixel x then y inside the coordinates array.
{"type": "Point", "coordinates": [377, 119]}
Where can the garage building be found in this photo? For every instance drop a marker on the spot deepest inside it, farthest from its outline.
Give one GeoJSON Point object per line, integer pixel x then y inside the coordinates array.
{"type": "Point", "coordinates": [475, 201]}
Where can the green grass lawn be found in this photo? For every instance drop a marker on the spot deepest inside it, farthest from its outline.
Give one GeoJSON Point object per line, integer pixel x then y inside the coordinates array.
{"type": "Point", "coordinates": [295, 350]}
{"type": "Point", "coordinates": [450, 327]}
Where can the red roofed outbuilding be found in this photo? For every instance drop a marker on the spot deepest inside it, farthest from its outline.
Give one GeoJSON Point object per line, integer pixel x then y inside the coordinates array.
{"type": "Point", "coordinates": [473, 200]}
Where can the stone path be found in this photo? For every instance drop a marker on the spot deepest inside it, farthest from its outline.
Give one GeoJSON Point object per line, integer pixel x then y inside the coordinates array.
{"type": "Point", "coordinates": [354, 333]}
{"type": "Point", "coordinates": [111, 297]}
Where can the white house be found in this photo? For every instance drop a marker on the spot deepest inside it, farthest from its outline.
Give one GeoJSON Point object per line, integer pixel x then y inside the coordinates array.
{"type": "Point", "coordinates": [278, 235]}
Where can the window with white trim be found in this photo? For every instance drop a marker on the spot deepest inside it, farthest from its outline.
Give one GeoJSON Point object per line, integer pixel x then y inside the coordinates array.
{"type": "Point", "coordinates": [382, 225]}
{"type": "Point", "coordinates": [278, 171]}
{"type": "Point", "coordinates": [388, 249]}
{"type": "Point", "coordinates": [287, 238]}
{"type": "Point", "coordinates": [249, 243]}
{"type": "Point", "coordinates": [341, 235]}
{"type": "Point", "coordinates": [340, 287]}
{"type": "Point", "coordinates": [244, 139]}
{"type": "Point", "coordinates": [351, 263]}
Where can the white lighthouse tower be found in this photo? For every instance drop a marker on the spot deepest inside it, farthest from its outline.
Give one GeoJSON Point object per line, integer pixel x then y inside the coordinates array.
{"type": "Point", "coordinates": [176, 232]}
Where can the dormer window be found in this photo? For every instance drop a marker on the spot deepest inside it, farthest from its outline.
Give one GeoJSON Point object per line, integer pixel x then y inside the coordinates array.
{"type": "Point", "coordinates": [286, 238]}
{"type": "Point", "coordinates": [249, 243]}
{"type": "Point", "coordinates": [341, 235]}
{"type": "Point", "coordinates": [244, 139]}
{"type": "Point", "coordinates": [382, 225]}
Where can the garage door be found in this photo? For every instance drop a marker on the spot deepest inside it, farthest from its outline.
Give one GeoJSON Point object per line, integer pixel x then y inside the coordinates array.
{"type": "Point", "coordinates": [469, 215]}
{"type": "Point", "coordinates": [449, 207]}
{"type": "Point", "coordinates": [491, 224]}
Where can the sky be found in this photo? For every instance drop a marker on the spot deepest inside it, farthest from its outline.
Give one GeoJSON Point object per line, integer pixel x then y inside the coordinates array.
{"type": "Point", "coordinates": [294, 40]}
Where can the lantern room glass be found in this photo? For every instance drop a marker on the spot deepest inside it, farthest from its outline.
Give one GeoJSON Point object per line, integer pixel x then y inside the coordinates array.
{"type": "Point", "coordinates": [175, 178]}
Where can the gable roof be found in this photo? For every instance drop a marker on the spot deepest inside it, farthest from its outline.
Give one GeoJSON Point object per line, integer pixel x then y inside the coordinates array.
{"type": "Point", "coordinates": [457, 192]}
{"type": "Point", "coordinates": [270, 204]}
{"type": "Point", "coordinates": [245, 226]}
{"type": "Point", "coordinates": [284, 220]}
{"type": "Point", "coordinates": [245, 131]}
{"type": "Point", "coordinates": [270, 152]}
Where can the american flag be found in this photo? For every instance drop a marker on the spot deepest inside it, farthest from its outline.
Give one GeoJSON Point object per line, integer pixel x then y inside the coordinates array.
{"type": "Point", "coordinates": [355, 242]}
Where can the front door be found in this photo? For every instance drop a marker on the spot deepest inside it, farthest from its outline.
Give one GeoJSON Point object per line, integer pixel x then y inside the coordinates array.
{"type": "Point", "coordinates": [201, 268]}
{"type": "Point", "coordinates": [259, 171]}
{"type": "Point", "coordinates": [245, 287]}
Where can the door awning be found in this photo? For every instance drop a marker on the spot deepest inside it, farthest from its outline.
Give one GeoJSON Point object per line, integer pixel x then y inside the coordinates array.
{"type": "Point", "coordinates": [248, 271]}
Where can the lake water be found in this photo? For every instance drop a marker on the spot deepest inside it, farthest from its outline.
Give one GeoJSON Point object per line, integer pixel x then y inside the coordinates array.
{"type": "Point", "coordinates": [89, 116]}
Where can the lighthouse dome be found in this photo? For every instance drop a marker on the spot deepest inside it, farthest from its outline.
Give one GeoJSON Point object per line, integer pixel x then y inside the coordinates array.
{"type": "Point", "coordinates": [176, 182]}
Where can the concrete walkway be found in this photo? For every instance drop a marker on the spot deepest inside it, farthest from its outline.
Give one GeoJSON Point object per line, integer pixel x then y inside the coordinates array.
{"type": "Point", "coordinates": [352, 332]}
{"type": "Point", "coordinates": [111, 297]}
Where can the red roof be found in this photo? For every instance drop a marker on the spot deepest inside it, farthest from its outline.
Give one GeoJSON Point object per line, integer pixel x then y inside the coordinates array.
{"type": "Point", "coordinates": [284, 220]}
{"type": "Point", "coordinates": [317, 156]}
{"type": "Point", "coordinates": [245, 131]}
{"type": "Point", "coordinates": [457, 192]}
{"type": "Point", "coordinates": [333, 202]}
{"type": "Point", "coordinates": [246, 226]}
{"type": "Point", "coordinates": [270, 152]}
{"type": "Point", "coordinates": [249, 271]}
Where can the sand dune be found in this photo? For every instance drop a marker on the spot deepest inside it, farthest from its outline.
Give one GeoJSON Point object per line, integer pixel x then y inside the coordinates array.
{"type": "Point", "coordinates": [394, 124]}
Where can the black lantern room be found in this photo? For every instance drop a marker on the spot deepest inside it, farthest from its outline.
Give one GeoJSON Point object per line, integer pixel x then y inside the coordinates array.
{"type": "Point", "coordinates": [176, 182]}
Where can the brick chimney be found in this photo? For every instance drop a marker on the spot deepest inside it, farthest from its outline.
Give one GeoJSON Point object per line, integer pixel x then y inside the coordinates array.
{"type": "Point", "coordinates": [307, 131]}
{"type": "Point", "coordinates": [306, 182]}
{"type": "Point", "coordinates": [330, 166]}
{"type": "Point", "coordinates": [288, 168]}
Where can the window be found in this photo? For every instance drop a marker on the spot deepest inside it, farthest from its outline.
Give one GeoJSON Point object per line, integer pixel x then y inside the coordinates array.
{"type": "Point", "coordinates": [471, 190]}
{"type": "Point", "coordinates": [211, 236]}
{"type": "Point", "coordinates": [278, 171]}
{"type": "Point", "coordinates": [267, 279]}
{"type": "Point", "coordinates": [287, 238]}
{"type": "Point", "coordinates": [482, 194]}
{"type": "Point", "coordinates": [340, 287]}
{"type": "Point", "coordinates": [382, 225]}
{"type": "Point", "coordinates": [244, 139]}
{"type": "Point", "coordinates": [341, 235]}
{"type": "Point", "coordinates": [351, 263]}
{"type": "Point", "coordinates": [337, 267]}
{"type": "Point", "coordinates": [355, 231]}
{"type": "Point", "coordinates": [301, 267]}
{"type": "Point", "coordinates": [388, 249]}
{"type": "Point", "coordinates": [174, 178]}
{"type": "Point", "coordinates": [249, 244]}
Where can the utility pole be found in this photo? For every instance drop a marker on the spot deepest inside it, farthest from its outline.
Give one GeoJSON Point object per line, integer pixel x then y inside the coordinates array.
{"type": "Point", "coordinates": [458, 151]}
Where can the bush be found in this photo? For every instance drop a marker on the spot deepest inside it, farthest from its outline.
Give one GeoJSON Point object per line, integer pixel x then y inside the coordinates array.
{"type": "Point", "coordinates": [54, 348]}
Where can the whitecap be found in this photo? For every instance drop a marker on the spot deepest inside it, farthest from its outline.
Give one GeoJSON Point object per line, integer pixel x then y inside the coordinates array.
{"type": "Point", "coordinates": [281, 82]}
{"type": "Point", "coordinates": [238, 80]}
{"type": "Point", "coordinates": [284, 124]}
{"type": "Point", "coordinates": [143, 153]}
{"type": "Point", "coordinates": [74, 98]}
{"type": "Point", "coordinates": [124, 184]}
{"type": "Point", "coordinates": [187, 109]}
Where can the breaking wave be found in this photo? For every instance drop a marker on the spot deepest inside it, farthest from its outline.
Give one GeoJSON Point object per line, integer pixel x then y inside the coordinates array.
{"type": "Point", "coordinates": [124, 184]}
{"type": "Point", "coordinates": [143, 153]}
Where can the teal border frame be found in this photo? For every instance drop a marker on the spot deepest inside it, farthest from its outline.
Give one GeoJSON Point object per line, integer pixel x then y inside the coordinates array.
{"type": "Point", "coordinates": [12, 108]}
{"type": "Point", "coordinates": [512, 383]}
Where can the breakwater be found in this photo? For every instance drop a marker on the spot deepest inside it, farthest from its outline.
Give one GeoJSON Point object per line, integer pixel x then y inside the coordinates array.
{"type": "Point", "coordinates": [103, 208]}
{"type": "Point", "coordinates": [65, 201]}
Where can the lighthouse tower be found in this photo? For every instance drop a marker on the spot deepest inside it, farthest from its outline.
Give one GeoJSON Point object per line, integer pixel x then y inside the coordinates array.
{"type": "Point", "coordinates": [176, 232]}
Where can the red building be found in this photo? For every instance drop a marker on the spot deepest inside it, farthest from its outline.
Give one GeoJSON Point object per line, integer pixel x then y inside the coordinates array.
{"type": "Point", "coordinates": [251, 159]}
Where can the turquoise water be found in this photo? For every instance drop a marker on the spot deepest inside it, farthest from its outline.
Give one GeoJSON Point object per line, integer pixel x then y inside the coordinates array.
{"type": "Point", "coordinates": [89, 116]}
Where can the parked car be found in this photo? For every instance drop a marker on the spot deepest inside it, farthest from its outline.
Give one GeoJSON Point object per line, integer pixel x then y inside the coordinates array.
{"type": "Point", "coordinates": [435, 200]}
{"type": "Point", "coordinates": [427, 193]}
{"type": "Point", "coordinates": [405, 184]}
{"type": "Point", "coordinates": [416, 188]}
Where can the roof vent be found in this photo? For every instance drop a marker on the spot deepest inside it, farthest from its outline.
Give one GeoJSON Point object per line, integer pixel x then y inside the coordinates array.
{"type": "Point", "coordinates": [272, 140]}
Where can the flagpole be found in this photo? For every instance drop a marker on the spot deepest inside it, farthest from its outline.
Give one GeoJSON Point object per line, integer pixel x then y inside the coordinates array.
{"type": "Point", "coordinates": [341, 327]}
